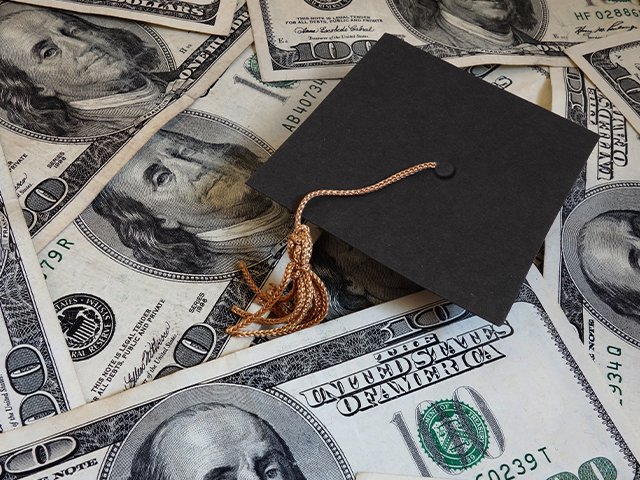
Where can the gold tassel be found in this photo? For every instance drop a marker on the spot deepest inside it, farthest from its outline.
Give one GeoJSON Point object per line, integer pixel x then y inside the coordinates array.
{"type": "Point", "coordinates": [306, 302]}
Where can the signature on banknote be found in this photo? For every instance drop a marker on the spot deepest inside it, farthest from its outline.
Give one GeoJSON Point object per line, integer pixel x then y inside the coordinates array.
{"type": "Point", "coordinates": [148, 355]}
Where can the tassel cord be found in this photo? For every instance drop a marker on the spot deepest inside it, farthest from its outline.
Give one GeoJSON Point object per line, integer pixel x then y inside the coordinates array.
{"type": "Point", "coordinates": [301, 300]}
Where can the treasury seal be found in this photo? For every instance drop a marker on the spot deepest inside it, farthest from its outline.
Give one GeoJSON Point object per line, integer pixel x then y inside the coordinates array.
{"type": "Point", "coordinates": [87, 323]}
{"type": "Point", "coordinates": [453, 434]}
{"type": "Point", "coordinates": [328, 4]}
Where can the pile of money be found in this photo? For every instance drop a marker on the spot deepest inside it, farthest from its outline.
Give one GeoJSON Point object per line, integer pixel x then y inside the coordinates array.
{"type": "Point", "coordinates": [128, 129]}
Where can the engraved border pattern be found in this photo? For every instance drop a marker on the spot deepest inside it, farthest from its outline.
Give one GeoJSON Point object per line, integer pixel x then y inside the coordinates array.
{"type": "Point", "coordinates": [319, 428]}
{"type": "Point", "coordinates": [528, 295]}
{"type": "Point", "coordinates": [85, 177]}
{"type": "Point", "coordinates": [109, 430]}
{"type": "Point", "coordinates": [585, 302]}
{"type": "Point", "coordinates": [150, 11]}
{"type": "Point", "coordinates": [165, 274]}
{"type": "Point", "coordinates": [23, 319]}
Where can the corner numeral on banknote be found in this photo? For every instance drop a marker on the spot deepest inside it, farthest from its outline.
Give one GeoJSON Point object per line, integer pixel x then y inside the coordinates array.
{"type": "Point", "coordinates": [282, 406]}
{"type": "Point", "coordinates": [64, 139]}
{"type": "Point", "coordinates": [37, 378]}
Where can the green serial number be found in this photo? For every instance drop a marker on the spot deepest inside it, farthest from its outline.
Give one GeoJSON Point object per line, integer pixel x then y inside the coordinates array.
{"type": "Point", "coordinates": [617, 12]}
{"type": "Point", "coordinates": [55, 255]}
{"type": "Point", "coordinates": [519, 467]}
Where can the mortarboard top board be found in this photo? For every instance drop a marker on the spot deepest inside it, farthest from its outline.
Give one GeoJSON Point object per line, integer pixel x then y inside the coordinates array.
{"type": "Point", "coordinates": [470, 237]}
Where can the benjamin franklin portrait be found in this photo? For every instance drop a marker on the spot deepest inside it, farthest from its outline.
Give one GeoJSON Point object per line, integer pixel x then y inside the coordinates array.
{"type": "Point", "coordinates": [226, 432]}
{"type": "Point", "coordinates": [64, 75]}
{"type": "Point", "coordinates": [181, 204]}
{"type": "Point", "coordinates": [232, 444]}
{"type": "Point", "coordinates": [470, 24]}
{"type": "Point", "coordinates": [601, 252]}
{"type": "Point", "coordinates": [609, 253]}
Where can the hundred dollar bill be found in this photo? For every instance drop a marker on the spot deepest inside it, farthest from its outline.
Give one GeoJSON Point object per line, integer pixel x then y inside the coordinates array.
{"type": "Point", "coordinates": [531, 83]}
{"type": "Point", "coordinates": [612, 65]}
{"type": "Point", "coordinates": [325, 38]}
{"type": "Point", "coordinates": [158, 249]}
{"type": "Point", "coordinates": [396, 389]}
{"type": "Point", "coordinates": [591, 257]}
{"type": "Point", "coordinates": [80, 94]}
{"type": "Point", "coordinates": [205, 16]}
{"type": "Point", "coordinates": [37, 378]}
{"type": "Point", "coordinates": [175, 237]}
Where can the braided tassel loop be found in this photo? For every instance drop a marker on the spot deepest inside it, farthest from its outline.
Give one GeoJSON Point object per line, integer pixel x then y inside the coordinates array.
{"type": "Point", "coordinates": [304, 305]}
{"type": "Point", "coordinates": [301, 299]}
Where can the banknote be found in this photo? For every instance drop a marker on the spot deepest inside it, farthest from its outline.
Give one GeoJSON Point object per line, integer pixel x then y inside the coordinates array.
{"type": "Point", "coordinates": [325, 38]}
{"type": "Point", "coordinates": [189, 289]}
{"type": "Point", "coordinates": [80, 94]}
{"type": "Point", "coordinates": [396, 388]}
{"type": "Point", "coordinates": [531, 83]}
{"type": "Point", "coordinates": [205, 16]}
{"type": "Point", "coordinates": [37, 378]}
{"type": "Point", "coordinates": [612, 65]}
{"type": "Point", "coordinates": [158, 248]}
{"type": "Point", "coordinates": [590, 257]}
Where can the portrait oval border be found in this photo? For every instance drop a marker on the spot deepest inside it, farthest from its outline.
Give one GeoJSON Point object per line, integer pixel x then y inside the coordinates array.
{"type": "Point", "coordinates": [536, 33]}
{"type": "Point", "coordinates": [122, 259]}
{"type": "Point", "coordinates": [243, 397]}
{"type": "Point", "coordinates": [616, 196]}
{"type": "Point", "coordinates": [544, 22]}
{"type": "Point", "coordinates": [160, 44]}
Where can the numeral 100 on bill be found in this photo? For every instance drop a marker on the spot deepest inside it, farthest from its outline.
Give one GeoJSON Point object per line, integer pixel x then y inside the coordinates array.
{"type": "Point", "coordinates": [47, 195]}
{"type": "Point", "coordinates": [334, 50]}
{"type": "Point", "coordinates": [455, 434]}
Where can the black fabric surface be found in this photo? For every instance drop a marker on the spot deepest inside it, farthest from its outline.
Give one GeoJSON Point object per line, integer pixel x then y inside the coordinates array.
{"type": "Point", "coordinates": [470, 238]}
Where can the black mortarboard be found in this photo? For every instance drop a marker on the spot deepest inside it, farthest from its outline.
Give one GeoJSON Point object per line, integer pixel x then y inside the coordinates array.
{"type": "Point", "coordinates": [469, 237]}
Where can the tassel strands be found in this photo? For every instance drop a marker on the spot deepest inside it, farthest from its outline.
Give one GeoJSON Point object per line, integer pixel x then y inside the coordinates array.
{"type": "Point", "coordinates": [304, 305]}
{"type": "Point", "coordinates": [300, 301]}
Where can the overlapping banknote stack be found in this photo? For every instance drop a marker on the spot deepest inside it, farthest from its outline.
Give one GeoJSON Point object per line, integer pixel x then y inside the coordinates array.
{"type": "Point", "coordinates": [129, 128]}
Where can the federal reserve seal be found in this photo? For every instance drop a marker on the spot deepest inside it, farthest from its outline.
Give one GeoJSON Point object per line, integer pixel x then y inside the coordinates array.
{"type": "Point", "coordinates": [328, 4]}
{"type": "Point", "coordinates": [87, 323]}
{"type": "Point", "coordinates": [453, 434]}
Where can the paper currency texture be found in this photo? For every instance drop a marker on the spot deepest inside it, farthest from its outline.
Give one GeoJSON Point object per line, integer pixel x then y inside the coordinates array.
{"type": "Point", "coordinates": [324, 39]}
{"type": "Point", "coordinates": [612, 65]}
{"type": "Point", "coordinates": [147, 247]}
{"type": "Point", "coordinates": [386, 476]}
{"type": "Point", "coordinates": [37, 378]}
{"type": "Point", "coordinates": [590, 256]}
{"type": "Point", "coordinates": [160, 245]}
{"type": "Point", "coordinates": [205, 16]}
{"type": "Point", "coordinates": [80, 94]}
{"type": "Point", "coordinates": [394, 389]}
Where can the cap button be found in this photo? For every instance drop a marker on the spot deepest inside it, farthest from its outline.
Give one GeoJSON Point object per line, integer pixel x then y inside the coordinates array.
{"type": "Point", "coordinates": [445, 170]}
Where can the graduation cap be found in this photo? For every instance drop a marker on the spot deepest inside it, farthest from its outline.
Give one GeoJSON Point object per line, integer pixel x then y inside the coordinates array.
{"type": "Point", "coordinates": [468, 230]}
